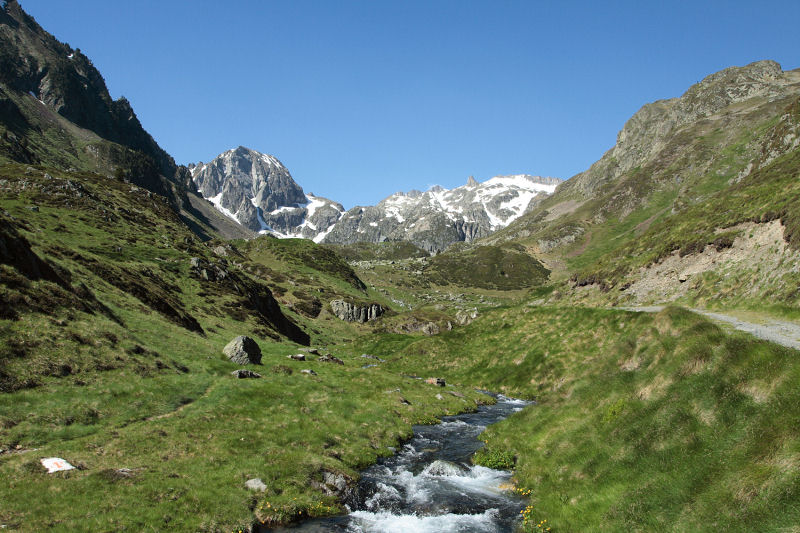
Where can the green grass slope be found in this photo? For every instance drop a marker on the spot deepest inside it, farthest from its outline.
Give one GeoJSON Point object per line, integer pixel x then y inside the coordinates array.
{"type": "Point", "coordinates": [644, 422]}
{"type": "Point", "coordinates": [378, 251]}
{"type": "Point", "coordinates": [113, 317]}
{"type": "Point", "coordinates": [507, 267]}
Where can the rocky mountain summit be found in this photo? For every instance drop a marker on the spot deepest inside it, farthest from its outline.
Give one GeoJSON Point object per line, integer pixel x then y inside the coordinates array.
{"type": "Point", "coordinates": [650, 131]}
{"type": "Point", "coordinates": [257, 191]}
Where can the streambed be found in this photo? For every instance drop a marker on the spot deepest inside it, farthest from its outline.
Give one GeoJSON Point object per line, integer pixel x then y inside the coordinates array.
{"type": "Point", "coordinates": [429, 485]}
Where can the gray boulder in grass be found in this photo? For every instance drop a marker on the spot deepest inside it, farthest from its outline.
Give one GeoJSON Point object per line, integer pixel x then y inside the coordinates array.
{"type": "Point", "coordinates": [243, 351]}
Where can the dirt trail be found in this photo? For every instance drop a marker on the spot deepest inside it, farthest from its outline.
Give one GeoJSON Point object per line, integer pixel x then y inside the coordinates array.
{"type": "Point", "coordinates": [777, 331]}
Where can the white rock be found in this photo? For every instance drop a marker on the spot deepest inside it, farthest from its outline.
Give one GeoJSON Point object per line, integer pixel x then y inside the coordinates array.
{"type": "Point", "coordinates": [255, 484]}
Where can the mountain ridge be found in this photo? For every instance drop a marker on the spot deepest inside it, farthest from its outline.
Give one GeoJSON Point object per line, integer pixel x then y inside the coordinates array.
{"type": "Point", "coordinates": [257, 191]}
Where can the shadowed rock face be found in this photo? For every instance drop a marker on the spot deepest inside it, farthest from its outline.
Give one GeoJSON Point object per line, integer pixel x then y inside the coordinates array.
{"type": "Point", "coordinates": [350, 312]}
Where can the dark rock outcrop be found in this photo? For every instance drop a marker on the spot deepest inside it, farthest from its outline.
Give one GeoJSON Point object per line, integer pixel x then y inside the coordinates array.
{"type": "Point", "coordinates": [71, 90]}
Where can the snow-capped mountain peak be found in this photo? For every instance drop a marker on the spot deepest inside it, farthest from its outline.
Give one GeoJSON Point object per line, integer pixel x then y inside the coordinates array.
{"type": "Point", "coordinates": [257, 191]}
{"type": "Point", "coordinates": [438, 217]}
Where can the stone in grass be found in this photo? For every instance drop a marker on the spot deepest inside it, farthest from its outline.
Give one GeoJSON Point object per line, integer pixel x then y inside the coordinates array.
{"type": "Point", "coordinates": [328, 358]}
{"type": "Point", "coordinates": [255, 484]}
{"type": "Point", "coordinates": [243, 351]}
{"type": "Point", "coordinates": [244, 374]}
{"type": "Point", "coordinates": [297, 357]}
{"type": "Point", "coordinates": [308, 371]}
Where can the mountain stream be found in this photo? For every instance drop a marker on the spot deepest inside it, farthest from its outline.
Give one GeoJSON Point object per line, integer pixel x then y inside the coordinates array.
{"type": "Point", "coordinates": [429, 485]}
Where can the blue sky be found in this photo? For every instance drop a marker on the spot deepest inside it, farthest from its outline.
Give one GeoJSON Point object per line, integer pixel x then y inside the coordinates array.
{"type": "Point", "coordinates": [360, 99]}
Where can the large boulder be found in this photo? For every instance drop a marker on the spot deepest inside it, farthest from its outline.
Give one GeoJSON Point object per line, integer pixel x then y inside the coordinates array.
{"type": "Point", "coordinates": [243, 351]}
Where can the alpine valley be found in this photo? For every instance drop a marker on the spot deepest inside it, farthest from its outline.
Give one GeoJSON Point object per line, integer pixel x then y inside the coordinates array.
{"type": "Point", "coordinates": [167, 363]}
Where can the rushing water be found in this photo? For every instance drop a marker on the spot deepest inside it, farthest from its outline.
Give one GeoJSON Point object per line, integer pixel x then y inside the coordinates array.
{"type": "Point", "coordinates": [430, 486]}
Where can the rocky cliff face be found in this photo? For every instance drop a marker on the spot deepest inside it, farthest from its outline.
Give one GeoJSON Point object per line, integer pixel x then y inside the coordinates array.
{"type": "Point", "coordinates": [55, 110]}
{"type": "Point", "coordinates": [350, 312]}
{"type": "Point", "coordinates": [439, 217]}
{"type": "Point", "coordinates": [257, 191]}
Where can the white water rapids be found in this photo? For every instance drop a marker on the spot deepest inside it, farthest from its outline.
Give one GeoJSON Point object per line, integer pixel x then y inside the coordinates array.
{"type": "Point", "coordinates": [430, 486]}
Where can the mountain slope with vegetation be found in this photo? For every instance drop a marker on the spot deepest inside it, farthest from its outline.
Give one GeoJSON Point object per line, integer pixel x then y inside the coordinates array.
{"type": "Point", "coordinates": [120, 286]}
{"type": "Point", "coordinates": [677, 166]}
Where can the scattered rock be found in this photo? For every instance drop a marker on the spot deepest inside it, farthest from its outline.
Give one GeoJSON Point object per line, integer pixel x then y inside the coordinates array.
{"type": "Point", "coordinates": [243, 351]}
{"type": "Point", "coordinates": [118, 474]}
{"type": "Point", "coordinates": [297, 357]}
{"type": "Point", "coordinates": [436, 381]}
{"type": "Point", "coordinates": [312, 351]}
{"type": "Point", "coordinates": [335, 484]}
{"type": "Point", "coordinates": [244, 374]}
{"type": "Point", "coordinates": [466, 316]}
{"type": "Point", "coordinates": [368, 356]}
{"type": "Point", "coordinates": [34, 208]}
{"type": "Point", "coordinates": [330, 359]}
{"type": "Point", "coordinates": [444, 469]}
{"type": "Point", "coordinates": [456, 394]}
{"type": "Point", "coordinates": [350, 312]}
{"type": "Point", "coordinates": [207, 271]}
{"type": "Point", "coordinates": [255, 484]}
{"type": "Point", "coordinates": [439, 397]}
{"type": "Point", "coordinates": [308, 371]}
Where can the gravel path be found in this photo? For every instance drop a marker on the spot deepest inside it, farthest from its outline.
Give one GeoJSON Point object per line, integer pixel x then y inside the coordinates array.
{"type": "Point", "coordinates": [777, 331]}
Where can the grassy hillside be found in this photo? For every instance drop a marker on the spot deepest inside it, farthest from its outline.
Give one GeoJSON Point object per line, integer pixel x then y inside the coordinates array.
{"type": "Point", "coordinates": [506, 267]}
{"type": "Point", "coordinates": [379, 251]}
{"type": "Point", "coordinates": [770, 193]}
{"type": "Point", "coordinates": [644, 422]}
{"type": "Point", "coordinates": [112, 325]}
